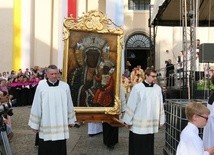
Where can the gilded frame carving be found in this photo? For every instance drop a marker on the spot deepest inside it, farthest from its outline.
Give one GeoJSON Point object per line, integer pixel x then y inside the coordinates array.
{"type": "Point", "coordinates": [79, 36]}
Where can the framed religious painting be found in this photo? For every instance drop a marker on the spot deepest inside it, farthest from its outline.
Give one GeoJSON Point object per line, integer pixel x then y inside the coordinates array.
{"type": "Point", "coordinates": [92, 66]}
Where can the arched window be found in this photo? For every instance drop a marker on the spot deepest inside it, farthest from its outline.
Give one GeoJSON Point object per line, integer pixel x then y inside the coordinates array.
{"type": "Point", "coordinates": [139, 41]}
{"type": "Point", "coordinates": [138, 4]}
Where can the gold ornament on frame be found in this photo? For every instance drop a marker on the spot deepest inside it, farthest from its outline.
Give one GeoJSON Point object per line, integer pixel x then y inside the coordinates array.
{"type": "Point", "coordinates": [92, 66]}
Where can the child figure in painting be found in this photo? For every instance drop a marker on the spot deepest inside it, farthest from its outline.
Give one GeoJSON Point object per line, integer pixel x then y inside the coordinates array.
{"type": "Point", "coordinates": [104, 94]}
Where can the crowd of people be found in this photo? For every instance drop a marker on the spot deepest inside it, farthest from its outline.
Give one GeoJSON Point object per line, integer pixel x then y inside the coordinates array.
{"type": "Point", "coordinates": [21, 85]}
{"type": "Point", "coordinates": [52, 112]}
{"type": "Point", "coordinates": [18, 89]}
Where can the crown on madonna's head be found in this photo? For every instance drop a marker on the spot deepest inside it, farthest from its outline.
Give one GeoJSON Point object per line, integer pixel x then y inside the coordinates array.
{"type": "Point", "coordinates": [92, 42]}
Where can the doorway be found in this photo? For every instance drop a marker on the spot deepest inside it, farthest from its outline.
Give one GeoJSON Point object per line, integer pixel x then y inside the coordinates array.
{"type": "Point", "coordinates": [139, 51]}
{"type": "Point", "coordinates": [137, 57]}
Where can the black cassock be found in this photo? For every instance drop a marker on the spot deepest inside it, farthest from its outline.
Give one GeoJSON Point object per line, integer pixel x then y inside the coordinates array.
{"type": "Point", "coordinates": [110, 135]}
{"type": "Point", "coordinates": [52, 147]}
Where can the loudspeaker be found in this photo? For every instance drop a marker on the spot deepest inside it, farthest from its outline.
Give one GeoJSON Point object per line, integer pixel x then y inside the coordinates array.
{"type": "Point", "coordinates": [206, 52]}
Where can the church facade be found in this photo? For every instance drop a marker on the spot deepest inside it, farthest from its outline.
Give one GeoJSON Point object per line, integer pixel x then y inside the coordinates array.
{"type": "Point", "coordinates": [32, 32]}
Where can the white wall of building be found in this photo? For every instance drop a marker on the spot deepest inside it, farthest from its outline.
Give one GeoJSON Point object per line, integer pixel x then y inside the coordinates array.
{"type": "Point", "coordinates": [170, 38]}
{"type": "Point", "coordinates": [81, 7]}
{"type": "Point", "coordinates": [135, 20]}
{"type": "Point", "coordinates": [46, 31]}
{"type": "Point", "coordinates": [43, 30]}
{"type": "Point", "coordinates": [6, 39]}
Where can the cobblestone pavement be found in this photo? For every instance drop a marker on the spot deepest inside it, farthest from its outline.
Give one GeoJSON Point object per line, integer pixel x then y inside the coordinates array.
{"type": "Point", "coordinates": [78, 144]}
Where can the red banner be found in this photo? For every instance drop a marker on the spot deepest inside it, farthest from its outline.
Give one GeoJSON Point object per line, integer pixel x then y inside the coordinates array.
{"type": "Point", "coordinates": [72, 8]}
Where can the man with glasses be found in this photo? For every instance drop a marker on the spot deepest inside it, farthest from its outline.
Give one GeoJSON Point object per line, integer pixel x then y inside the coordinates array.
{"type": "Point", "coordinates": [144, 114]}
{"type": "Point", "coordinates": [190, 142]}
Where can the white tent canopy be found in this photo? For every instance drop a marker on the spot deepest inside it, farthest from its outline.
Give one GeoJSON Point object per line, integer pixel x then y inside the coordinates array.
{"type": "Point", "coordinates": [169, 12]}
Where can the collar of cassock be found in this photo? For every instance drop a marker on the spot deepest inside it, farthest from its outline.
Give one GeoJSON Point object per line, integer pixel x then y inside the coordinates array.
{"type": "Point", "coordinates": [147, 84]}
{"type": "Point", "coordinates": [53, 84]}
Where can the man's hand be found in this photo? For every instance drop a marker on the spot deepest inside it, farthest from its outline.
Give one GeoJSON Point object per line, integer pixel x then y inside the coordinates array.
{"type": "Point", "coordinates": [127, 126]}
{"type": "Point", "coordinates": [70, 125]}
{"type": "Point", "coordinates": [35, 131]}
{"type": "Point", "coordinates": [210, 150]}
{"type": "Point", "coordinates": [76, 125]}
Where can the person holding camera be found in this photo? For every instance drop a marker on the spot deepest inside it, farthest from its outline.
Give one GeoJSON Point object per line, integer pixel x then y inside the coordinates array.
{"type": "Point", "coordinates": [6, 113]}
{"type": "Point", "coordinates": [52, 114]}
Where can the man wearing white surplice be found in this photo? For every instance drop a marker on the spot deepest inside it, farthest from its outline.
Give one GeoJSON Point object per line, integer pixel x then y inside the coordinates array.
{"type": "Point", "coordinates": [52, 114]}
{"type": "Point", "coordinates": [144, 114]}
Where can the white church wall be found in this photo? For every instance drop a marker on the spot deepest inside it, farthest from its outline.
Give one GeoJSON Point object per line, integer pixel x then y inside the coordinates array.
{"type": "Point", "coordinates": [6, 39]}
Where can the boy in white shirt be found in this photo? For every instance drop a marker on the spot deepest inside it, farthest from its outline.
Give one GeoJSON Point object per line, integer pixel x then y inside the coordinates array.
{"type": "Point", "coordinates": [190, 142]}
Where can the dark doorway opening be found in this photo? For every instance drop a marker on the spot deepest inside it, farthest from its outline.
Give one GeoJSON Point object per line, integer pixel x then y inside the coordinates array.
{"type": "Point", "coordinates": [137, 57]}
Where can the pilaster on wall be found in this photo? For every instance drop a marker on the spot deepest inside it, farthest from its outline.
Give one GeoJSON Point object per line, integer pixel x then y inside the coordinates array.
{"type": "Point", "coordinates": [92, 5]}
{"type": "Point", "coordinates": [81, 7]}
{"type": "Point", "coordinates": [56, 33]}
{"type": "Point", "coordinates": [43, 32]}
{"type": "Point", "coordinates": [26, 33]}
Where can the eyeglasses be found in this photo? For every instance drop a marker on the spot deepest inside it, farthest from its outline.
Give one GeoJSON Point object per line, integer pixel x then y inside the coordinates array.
{"type": "Point", "coordinates": [206, 118]}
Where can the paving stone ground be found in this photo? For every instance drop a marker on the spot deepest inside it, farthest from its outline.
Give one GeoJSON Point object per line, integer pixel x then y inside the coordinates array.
{"type": "Point", "coordinates": [78, 144]}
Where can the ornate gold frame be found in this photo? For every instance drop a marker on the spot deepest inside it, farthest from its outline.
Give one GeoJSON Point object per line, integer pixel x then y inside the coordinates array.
{"type": "Point", "coordinates": [94, 23]}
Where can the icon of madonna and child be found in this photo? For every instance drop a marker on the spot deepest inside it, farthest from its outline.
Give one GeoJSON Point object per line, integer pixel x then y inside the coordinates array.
{"type": "Point", "coordinates": [92, 82]}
